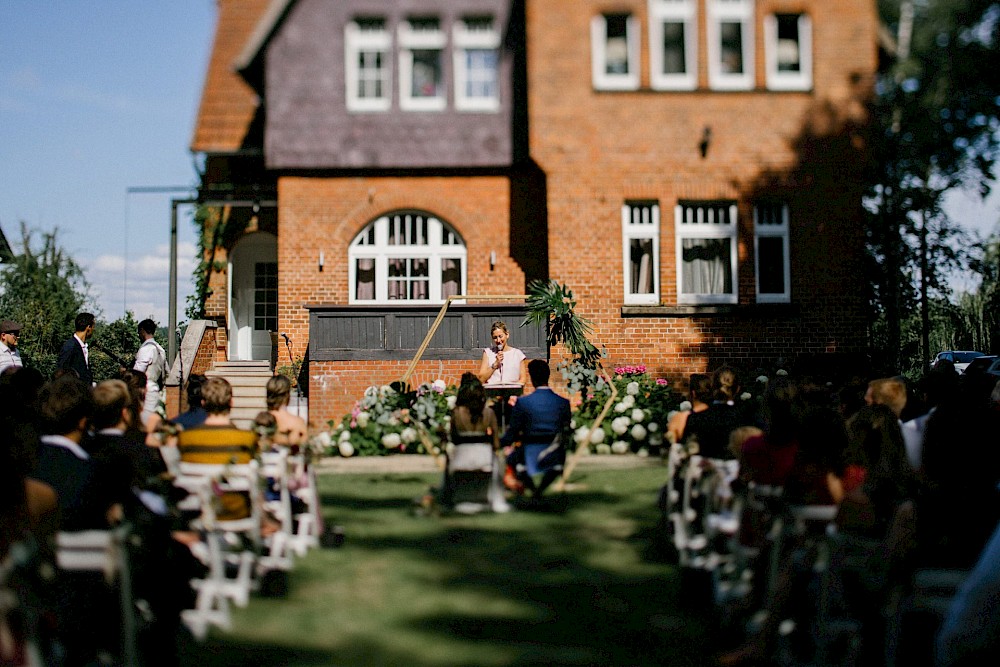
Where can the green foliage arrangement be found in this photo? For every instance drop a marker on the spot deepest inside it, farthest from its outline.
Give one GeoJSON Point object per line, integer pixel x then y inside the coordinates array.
{"type": "Point", "coordinates": [553, 304]}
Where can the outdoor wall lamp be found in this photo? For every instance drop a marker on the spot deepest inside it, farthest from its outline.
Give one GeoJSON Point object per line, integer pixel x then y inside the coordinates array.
{"type": "Point", "coordinates": [321, 262]}
{"type": "Point", "coordinates": [493, 259]}
{"type": "Point", "coordinates": [706, 138]}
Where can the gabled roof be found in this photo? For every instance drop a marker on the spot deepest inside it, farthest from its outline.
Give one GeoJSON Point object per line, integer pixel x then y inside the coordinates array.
{"type": "Point", "coordinates": [6, 254]}
{"type": "Point", "coordinates": [228, 103]}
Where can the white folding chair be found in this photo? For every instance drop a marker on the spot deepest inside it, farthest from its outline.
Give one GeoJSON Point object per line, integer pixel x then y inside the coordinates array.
{"type": "Point", "coordinates": [11, 604]}
{"type": "Point", "coordinates": [308, 525]}
{"type": "Point", "coordinates": [224, 540]}
{"type": "Point", "coordinates": [104, 551]}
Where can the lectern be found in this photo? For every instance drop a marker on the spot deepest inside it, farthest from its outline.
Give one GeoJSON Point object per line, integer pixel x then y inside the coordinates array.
{"type": "Point", "coordinates": [500, 392]}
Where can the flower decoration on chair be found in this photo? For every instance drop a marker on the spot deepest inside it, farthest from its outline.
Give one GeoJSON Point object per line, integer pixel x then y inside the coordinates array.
{"type": "Point", "coordinates": [635, 423]}
{"type": "Point", "coordinates": [388, 420]}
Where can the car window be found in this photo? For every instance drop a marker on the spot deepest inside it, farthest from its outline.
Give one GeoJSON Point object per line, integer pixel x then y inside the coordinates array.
{"type": "Point", "coordinates": [966, 357]}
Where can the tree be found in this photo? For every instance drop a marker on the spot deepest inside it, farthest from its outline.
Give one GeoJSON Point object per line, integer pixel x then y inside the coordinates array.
{"type": "Point", "coordinates": [936, 121]}
{"type": "Point", "coordinates": [43, 289]}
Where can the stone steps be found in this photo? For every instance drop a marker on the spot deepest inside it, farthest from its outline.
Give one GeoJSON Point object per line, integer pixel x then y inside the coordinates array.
{"type": "Point", "coordinates": [249, 383]}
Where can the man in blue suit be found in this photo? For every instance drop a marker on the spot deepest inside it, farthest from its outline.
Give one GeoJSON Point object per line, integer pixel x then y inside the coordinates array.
{"type": "Point", "coordinates": [75, 353]}
{"type": "Point", "coordinates": [537, 419]}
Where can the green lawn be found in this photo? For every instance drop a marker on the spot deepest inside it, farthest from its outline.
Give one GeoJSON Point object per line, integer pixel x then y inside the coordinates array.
{"type": "Point", "coordinates": [577, 583]}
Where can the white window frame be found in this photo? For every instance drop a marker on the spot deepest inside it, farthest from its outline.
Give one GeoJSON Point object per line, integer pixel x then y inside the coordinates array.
{"type": "Point", "coordinates": [599, 38]}
{"type": "Point", "coordinates": [764, 226]}
{"type": "Point", "coordinates": [641, 221]}
{"type": "Point", "coordinates": [692, 222]}
{"type": "Point", "coordinates": [356, 41]}
{"type": "Point", "coordinates": [673, 11]}
{"type": "Point", "coordinates": [442, 243]}
{"type": "Point", "coordinates": [777, 80]}
{"type": "Point", "coordinates": [411, 40]}
{"type": "Point", "coordinates": [730, 11]}
{"type": "Point", "coordinates": [465, 39]}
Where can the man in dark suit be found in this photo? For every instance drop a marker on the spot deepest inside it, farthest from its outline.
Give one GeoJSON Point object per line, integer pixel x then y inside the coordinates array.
{"type": "Point", "coordinates": [75, 354]}
{"type": "Point", "coordinates": [536, 420]}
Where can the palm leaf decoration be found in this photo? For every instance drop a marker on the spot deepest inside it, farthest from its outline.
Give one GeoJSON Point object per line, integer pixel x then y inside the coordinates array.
{"type": "Point", "coordinates": [553, 304]}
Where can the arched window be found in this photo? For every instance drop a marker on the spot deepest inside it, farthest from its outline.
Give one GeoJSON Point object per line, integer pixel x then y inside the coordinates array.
{"type": "Point", "coordinates": [406, 256]}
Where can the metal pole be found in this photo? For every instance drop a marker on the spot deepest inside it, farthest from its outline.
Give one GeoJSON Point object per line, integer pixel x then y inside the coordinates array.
{"type": "Point", "coordinates": [172, 300]}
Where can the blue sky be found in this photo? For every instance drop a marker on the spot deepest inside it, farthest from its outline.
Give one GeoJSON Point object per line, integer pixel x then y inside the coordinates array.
{"type": "Point", "coordinates": [97, 97]}
{"type": "Point", "coordinates": [100, 96]}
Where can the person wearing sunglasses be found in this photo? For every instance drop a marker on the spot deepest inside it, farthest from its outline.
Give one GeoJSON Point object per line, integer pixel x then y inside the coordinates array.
{"type": "Point", "coordinates": [10, 331]}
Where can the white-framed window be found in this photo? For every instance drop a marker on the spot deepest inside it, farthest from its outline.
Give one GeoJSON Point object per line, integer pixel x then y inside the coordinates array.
{"type": "Point", "coordinates": [730, 44]}
{"type": "Point", "coordinates": [771, 252]}
{"type": "Point", "coordinates": [406, 256]}
{"type": "Point", "coordinates": [476, 46]}
{"type": "Point", "coordinates": [641, 252]}
{"type": "Point", "coordinates": [788, 51]}
{"type": "Point", "coordinates": [705, 233]}
{"type": "Point", "coordinates": [615, 52]}
{"type": "Point", "coordinates": [673, 53]}
{"type": "Point", "coordinates": [368, 56]}
{"type": "Point", "coordinates": [421, 65]}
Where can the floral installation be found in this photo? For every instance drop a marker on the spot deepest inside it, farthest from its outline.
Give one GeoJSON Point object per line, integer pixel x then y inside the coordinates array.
{"type": "Point", "coordinates": [389, 421]}
{"type": "Point", "coordinates": [634, 423]}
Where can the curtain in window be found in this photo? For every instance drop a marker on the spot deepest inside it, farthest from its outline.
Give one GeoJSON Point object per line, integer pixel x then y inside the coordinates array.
{"type": "Point", "coordinates": [451, 277]}
{"type": "Point", "coordinates": [365, 278]}
{"type": "Point", "coordinates": [706, 266]}
{"type": "Point", "coordinates": [641, 251]}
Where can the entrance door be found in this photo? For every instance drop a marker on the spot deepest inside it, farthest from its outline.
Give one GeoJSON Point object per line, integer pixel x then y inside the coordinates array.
{"type": "Point", "coordinates": [253, 296]}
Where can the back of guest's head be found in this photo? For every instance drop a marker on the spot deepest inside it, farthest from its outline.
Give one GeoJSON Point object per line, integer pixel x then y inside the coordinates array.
{"type": "Point", "coordinates": [782, 407]}
{"type": "Point", "coordinates": [64, 403]}
{"type": "Point", "coordinates": [194, 383]}
{"type": "Point", "coordinates": [82, 321]}
{"type": "Point", "coordinates": [472, 395]}
{"type": "Point", "coordinates": [136, 383]}
{"type": "Point", "coordinates": [876, 439]}
{"type": "Point", "coordinates": [701, 387]}
{"type": "Point", "coordinates": [111, 398]}
{"type": "Point", "coordinates": [889, 391]}
{"type": "Point", "coordinates": [538, 371]}
{"type": "Point", "coordinates": [468, 376]}
{"type": "Point", "coordinates": [147, 326]}
{"type": "Point", "coordinates": [265, 423]}
{"type": "Point", "coordinates": [279, 392]}
{"type": "Point", "coordinates": [217, 395]}
{"type": "Point", "coordinates": [725, 384]}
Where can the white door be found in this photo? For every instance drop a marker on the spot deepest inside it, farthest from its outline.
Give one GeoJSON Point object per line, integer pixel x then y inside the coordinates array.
{"type": "Point", "coordinates": [253, 296]}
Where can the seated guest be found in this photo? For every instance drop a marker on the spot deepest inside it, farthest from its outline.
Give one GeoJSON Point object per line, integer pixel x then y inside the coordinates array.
{"type": "Point", "coordinates": [219, 441]}
{"type": "Point", "coordinates": [195, 414]}
{"type": "Point", "coordinates": [538, 418]}
{"type": "Point", "coordinates": [84, 499]}
{"type": "Point", "coordinates": [129, 461]}
{"type": "Point", "coordinates": [711, 427]}
{"type": "Point", "coordinates": [87, 611]}
{"type": "Point", "coordinates": [290, 430]}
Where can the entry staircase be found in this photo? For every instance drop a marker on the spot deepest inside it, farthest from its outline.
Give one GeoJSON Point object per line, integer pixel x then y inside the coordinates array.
{"type": "Point", "coordinates": [249, 382]}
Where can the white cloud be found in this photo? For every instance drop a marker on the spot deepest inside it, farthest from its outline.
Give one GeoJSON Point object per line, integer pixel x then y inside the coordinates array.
{"type": "Point", "coordinates": [142, 284]}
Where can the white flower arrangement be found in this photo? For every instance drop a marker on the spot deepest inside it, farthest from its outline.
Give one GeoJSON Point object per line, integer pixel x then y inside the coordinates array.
{"type": "Point", "coordinates": [391, 440]}
{"type": "Point", "coordinates": [685, 406]}
{"type": "Point", "coordinates": [619, 447]}
{"type": "Point", "coordinates": [345, 448]}
{"type": "Point", "coordinates": [638, 432]}
{"type": "Point", "coordinates": [638, 414]}
{"type": "Point", "coordinates": [632, 388]}
{"type": "Point", "coordinates": [597, 437]}
{"type": "Point", "coordinates": [781, 371]}
{"type": "Point", "coordinates": [619, 425]}
{"type": "Point", "coordinates": [603, 448]}
{"type": "Point", "coordinates": [408, 435]}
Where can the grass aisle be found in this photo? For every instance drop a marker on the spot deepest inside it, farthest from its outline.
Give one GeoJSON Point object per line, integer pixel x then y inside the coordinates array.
{"type": "Point", "coordinates": [577, 584]}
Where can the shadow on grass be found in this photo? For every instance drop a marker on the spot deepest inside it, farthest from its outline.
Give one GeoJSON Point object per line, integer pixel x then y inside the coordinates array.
{"type": "Point", "coordinates": [571, 584]}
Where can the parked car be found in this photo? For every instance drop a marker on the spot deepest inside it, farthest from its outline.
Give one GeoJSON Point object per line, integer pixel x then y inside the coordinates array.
{"type": "Point", "coordinates": [981, 365]}
{"type": "Point", "coordinates": [961, 358]}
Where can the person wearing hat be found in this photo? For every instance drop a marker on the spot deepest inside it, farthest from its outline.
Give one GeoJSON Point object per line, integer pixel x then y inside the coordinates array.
{"type": "Point", "coordinates": [10, 331]}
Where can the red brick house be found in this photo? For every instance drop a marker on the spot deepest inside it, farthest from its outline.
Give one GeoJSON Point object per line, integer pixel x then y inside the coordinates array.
{"type": "Point", "coordinates": [689, 168]}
